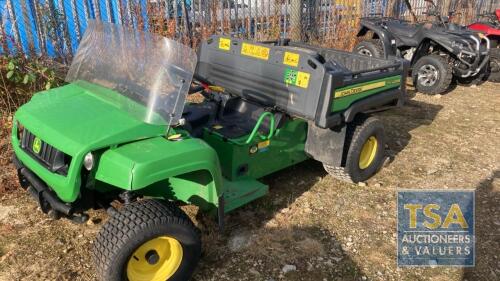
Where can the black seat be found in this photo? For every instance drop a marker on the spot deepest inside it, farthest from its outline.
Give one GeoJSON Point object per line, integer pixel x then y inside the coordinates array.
{"type": "Point", "coordinates": [198, 115]}
{"type": "Point", "coordinates": [406, 34]}
{"type": "Point", "coordinates": [258, 97]}
{"type": "Point", "coordinates": [240, 116]}
{"type": "Point", "coordinates": [402, 29]}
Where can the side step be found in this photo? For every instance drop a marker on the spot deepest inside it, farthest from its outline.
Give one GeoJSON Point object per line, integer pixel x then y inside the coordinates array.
{"type": "Point", "coordinates": [240, 192]}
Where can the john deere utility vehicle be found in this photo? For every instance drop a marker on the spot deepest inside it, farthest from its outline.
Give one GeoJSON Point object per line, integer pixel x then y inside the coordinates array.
{"type": "Point", "coordinates": [437, 50]}
{"type": "Point", "coordinates": [121, 133]}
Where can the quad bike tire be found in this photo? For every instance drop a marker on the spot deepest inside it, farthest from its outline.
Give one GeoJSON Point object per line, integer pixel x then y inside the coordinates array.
{"type": "Point", "coordinates": [494, 69]}
{"type": "Point", "coordinates": [147, 240]}
{"type": "Point", "coordinates": [438, 70]}
{"type": "Point", "coordinates": [364, 151]}
{"type": "Point", "coordinates": [371, 48]}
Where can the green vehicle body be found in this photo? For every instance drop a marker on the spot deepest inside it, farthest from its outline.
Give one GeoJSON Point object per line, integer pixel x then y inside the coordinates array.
{"type": "Point", "coordinates": [134, 156]}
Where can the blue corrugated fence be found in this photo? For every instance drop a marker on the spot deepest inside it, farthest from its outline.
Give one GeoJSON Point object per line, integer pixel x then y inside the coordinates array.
{"type": "Point", "coordinates": [54, 27]}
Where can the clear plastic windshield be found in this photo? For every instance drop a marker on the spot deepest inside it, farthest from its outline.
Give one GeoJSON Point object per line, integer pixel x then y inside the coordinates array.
{"type": "Point", "coordinates": [149, 75]}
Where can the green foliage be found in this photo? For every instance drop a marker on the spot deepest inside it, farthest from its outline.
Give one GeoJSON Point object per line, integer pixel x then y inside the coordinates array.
{"type": "Point", "coordinates": [20, 78]}
{"type": "Point", "coordinates": [26, 73]}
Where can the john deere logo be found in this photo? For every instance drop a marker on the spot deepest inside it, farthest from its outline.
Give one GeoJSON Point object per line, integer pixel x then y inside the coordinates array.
{"type": "Point", "coordinates": [37, 145]}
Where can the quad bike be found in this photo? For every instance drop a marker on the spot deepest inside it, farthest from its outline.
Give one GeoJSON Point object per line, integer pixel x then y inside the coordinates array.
{"type": "Point", "coordinates": [121, 136]}
{"type": "Point", "coordinates": [437, 51]}
{"type": "Point", "coordinates": [490, 26]}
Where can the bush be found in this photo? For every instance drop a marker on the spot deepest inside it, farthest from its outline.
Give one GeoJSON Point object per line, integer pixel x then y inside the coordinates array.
{"type": "Point", "coordinates": [20, 78]}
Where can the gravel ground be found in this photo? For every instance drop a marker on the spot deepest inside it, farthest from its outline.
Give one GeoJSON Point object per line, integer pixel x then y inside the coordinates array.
{"type": "Point", "coordinates": [310, 227]}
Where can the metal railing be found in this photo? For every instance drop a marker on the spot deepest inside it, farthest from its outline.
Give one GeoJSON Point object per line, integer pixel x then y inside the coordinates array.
{"type": "Point", "coordinates": [54, 27]}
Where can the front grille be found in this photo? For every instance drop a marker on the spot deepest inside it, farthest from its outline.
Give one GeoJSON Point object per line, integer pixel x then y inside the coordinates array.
{"type": "Point", "coordinates": [50, 157]}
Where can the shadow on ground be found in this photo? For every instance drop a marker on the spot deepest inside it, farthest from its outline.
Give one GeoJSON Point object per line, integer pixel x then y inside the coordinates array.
{"type": "Point", "coordinates": [399, 123]}
{"type": "Point", "coordinates": [280, 246]}
{"type": "Point", "coordinates": [251, 239]}
{"type": "Point", "coordinates": [411, 92]}
{"type": "Point", "coordinates": [487, 226]}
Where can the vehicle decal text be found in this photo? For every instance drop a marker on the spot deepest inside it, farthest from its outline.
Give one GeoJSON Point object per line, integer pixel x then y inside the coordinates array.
{"type": "Point", "coordinates": [352, 90]}
{"type": "Point", "coordinates": [291, 59]}
{"type": "Point", "coordinates": [296, 78]}
{"type": "Point", "coordinates": [255, 51]}
{"type": "Point", "coordinates": [224, 44]}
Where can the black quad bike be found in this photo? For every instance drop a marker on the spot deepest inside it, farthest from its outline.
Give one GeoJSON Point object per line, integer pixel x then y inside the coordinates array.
{"type": "Point", "coordinates": [438, 51]}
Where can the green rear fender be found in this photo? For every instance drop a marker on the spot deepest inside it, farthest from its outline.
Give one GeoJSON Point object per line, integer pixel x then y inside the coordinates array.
{"type": "Point", "coordinates": [186, 170]}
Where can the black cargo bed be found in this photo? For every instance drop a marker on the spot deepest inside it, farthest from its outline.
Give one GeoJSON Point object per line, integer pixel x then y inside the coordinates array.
{"type": "Point", "coordinates": [354, 63]}
{"type": "Point", "coordinates": [299, 79]}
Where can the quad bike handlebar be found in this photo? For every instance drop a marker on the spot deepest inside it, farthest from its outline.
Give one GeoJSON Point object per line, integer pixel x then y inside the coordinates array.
{"type": "Point", "coordinates": [441, 19]}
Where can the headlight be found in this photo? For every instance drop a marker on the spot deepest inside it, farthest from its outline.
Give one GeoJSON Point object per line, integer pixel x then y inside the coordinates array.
{"type": "Point", "coordinates": [457, 44]}
{"type": "Point", "coordinates": [88, 161]}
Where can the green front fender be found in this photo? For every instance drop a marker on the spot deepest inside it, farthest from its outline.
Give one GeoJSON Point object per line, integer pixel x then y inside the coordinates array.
{"type": "Point", "coordinates": [187, 170]}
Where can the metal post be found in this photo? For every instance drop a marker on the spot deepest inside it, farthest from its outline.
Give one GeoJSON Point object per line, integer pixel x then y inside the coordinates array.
{"type": "Point", "coordinates": [295, 26]}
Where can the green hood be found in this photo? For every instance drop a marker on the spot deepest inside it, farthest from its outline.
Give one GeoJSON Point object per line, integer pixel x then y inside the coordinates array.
{"type": "Point", "coordinates": [77, 119]}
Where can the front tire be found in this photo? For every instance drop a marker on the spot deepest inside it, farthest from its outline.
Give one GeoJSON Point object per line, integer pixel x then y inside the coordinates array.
{"type": "Point", "coordinates": [494, 67]}
{"type": "Point", "coordinates": [147, 240]}
{"type": "Point", "coordinates": [370, 48]}
{"type": "Point", "coordinates": [432, 74]}
{"type": "Point", "coordinates": [365, 146]}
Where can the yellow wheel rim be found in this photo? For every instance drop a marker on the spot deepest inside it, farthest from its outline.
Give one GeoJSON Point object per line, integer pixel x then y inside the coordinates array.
{"type": "Point", "coordinates": [156, 260]}
{"type": "Point", "coordinates": [368, 152]}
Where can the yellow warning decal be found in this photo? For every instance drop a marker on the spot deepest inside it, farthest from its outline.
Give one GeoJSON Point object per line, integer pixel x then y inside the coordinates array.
{"type": "Point", "coordinates": [291, 59]}
{"type": "Point", "coordinates": [357, 90]}
{"type": "Point", "coordinates": [255, 51]}
{"type": "Point", "coordinates": [216, 88]}
{"type": "Point", "coordinates": [303, 79]}
{"type": "Point", "coordinates": [173, 137]}
{"type": "Point", "coordinates": [296, 78]}
{"type": "Point", "coordinates": [225, 44]}
{"type": "Point", "coordinates": [263, 144]}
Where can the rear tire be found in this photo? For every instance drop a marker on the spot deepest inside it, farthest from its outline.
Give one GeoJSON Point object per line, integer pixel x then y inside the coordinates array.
{"type": "Point", "coordinates": [338, 173]}
{"type": "Point", "coordinates": [494, 67]}
{"type": "Point", "coordinates": [145, 240]}
{"type": "Point", "coordinates": [365, 146]}
{"type": "Point", "coordinates": [371, 48]}
{"type": "Point", "coordinates": [432, 74]}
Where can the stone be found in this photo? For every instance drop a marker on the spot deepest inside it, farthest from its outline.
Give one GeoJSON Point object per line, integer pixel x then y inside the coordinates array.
{"type": "Point", "coordinates": [238, 242]}
{"type": "Point", "coordinates": [431, 171]}
{"type": "Point", "coordinates": [254, 272]}
{"type": "Point", "coordinates": [288, 267]}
